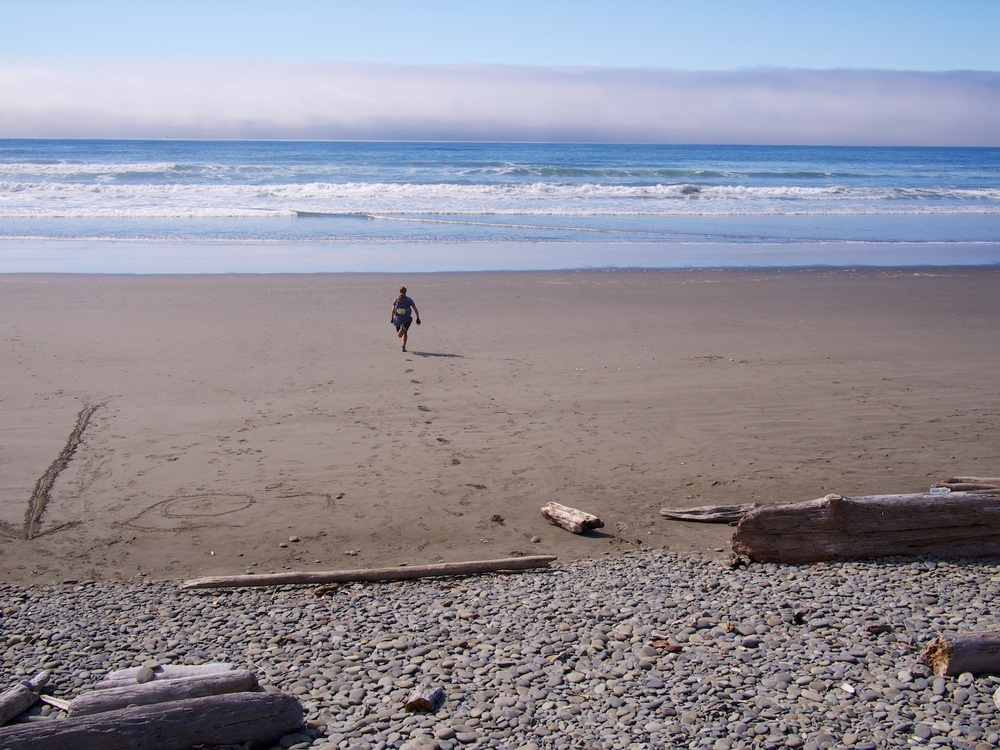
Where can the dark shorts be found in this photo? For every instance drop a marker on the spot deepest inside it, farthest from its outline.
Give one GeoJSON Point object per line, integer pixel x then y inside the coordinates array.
{"type": "Point", "coordinates": [402, 323]}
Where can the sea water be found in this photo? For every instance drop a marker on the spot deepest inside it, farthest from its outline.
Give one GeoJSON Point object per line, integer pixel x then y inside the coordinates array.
{"type": "Point", "coordinates": [275, 206]}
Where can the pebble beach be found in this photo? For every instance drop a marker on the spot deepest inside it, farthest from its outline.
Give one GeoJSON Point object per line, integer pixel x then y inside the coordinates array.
{"type": "Point", "coordinates": [647, 649]}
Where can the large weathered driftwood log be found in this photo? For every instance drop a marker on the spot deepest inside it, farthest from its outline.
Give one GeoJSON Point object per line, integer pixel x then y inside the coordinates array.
{"type": "Point", "coordinates": [571, 519]}
{"type": "Point", "coordinates": [257, 718]}
{"type": "Point", "coordinates": [163, 691]}
{"type": "Point", "coordinates": [374, 574]}
{"type": "Point", "coordinates": [959, 524]}
{"type": "Point", "coordinates": [134, 675]}
{"type": "Point", "coordinates": [710, 513]}
{"type": "Point", "coordinates": [976, 652]}
{"type": "Point", "coordinates": [966, 484]}
{"type": "Point", "coordinates": [21, 697]}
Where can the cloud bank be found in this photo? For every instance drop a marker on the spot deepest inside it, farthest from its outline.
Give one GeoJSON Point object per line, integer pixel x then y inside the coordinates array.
{"type": "Point", "coordinates": [508, 103]}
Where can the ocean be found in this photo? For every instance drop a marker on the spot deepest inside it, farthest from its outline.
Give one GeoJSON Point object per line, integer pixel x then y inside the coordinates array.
{"type": "Point", "coordinates": [162, 206]}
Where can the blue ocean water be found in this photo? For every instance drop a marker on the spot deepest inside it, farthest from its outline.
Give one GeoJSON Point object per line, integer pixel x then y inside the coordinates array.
{"type": "Point", "coordinates": [232, 206]}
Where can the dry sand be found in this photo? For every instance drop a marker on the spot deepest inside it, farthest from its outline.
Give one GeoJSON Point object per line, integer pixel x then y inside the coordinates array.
{"type": "Point", "coordinates": [235, 412]}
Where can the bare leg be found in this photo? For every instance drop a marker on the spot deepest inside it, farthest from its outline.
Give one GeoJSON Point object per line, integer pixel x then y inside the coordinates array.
{"type": "Point", "coordinates": [404, 337]}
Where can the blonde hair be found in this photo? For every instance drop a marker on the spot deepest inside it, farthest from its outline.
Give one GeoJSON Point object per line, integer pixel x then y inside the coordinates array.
{"type": "Point", "coordinates": [402, 292]}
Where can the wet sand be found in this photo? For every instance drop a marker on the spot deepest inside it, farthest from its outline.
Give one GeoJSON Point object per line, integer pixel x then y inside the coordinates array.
{"type": "Point", "coordinates": [179, 426]}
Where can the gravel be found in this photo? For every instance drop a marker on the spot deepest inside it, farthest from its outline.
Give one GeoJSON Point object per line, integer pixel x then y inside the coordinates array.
{"type": "Point", "coordinates": [643, 650]}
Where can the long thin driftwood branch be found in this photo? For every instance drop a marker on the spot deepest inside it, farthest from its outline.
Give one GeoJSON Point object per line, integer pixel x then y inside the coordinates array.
{"type": "Point", "coordinates": [710, 513]}
{"type": "Point", "coordinates": [969, 484]}
{"type": "Point", "coordinates": [375, 574]}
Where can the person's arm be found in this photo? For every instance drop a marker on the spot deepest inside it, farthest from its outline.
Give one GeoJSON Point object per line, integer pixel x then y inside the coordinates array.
{"type": "Point", "coordinates": [416, 313]}
{"type": "Point", "coordinates": [392, 315]}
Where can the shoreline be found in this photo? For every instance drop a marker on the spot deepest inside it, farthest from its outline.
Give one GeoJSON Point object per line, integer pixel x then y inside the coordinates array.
{"type": "Point", "coordinates": [237, 411]}
{"type": "Point", "coordinates": [749, 269]}
{"type": "Point", "coordinates": [224, 257]}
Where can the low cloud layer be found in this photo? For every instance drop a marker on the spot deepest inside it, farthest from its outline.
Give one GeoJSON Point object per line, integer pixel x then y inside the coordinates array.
{"type": "Point", "coordinates": [400, 102]}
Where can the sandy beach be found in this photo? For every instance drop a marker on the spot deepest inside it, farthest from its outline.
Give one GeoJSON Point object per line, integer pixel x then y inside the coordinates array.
{"type": "Point", "coordinates": [216, 418]}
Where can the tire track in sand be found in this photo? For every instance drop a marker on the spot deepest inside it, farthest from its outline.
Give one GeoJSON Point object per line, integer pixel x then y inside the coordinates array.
{"type": "Point", "coordinates": [43, 487]}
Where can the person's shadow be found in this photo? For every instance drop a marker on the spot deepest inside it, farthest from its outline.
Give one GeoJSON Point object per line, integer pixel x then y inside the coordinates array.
{"type": "Point", "coordinates": [436, 354]}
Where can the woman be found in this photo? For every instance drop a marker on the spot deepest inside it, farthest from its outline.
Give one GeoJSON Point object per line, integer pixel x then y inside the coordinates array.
{"type": "Point", "coordinates": [401, 315]}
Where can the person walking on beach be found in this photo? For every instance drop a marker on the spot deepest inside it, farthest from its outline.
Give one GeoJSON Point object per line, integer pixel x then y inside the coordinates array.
{"type": "Point", "coordinates": [402, 316]}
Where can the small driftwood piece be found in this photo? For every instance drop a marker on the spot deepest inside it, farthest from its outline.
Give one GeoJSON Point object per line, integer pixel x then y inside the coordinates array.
{"type": "Point", "coordinates": [976, 652]}
{"type": "Point", "coordinates": [970, 484]}
{"type": "Point", "coordinates": [958, 524]}
{"type": "Point", "coordinates": [163, 691]}
{"type": "Point", "coordinates": [21, 697]}
{"type": "Point", "coordinates": [426, 698]}
{"type": "Point", "coordinates": [402, 573]}
{"type": "Point", "coordinates": [571, 519]}
{"type": "Point", "coordinates": [61, 703]}
{"type": "Point", "coordinates": [710, 513]}
{"type": "Point", "coordinates": [132, 676]}
{"type": "Point", "coordinates": [234, 719]}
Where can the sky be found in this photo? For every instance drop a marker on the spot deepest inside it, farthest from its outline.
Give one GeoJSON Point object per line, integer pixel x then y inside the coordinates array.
{"type": "Point", "coordinates": [838, 72]}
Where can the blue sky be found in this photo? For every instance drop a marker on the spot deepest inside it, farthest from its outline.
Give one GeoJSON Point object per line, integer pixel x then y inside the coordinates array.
{"type": "Point", "coordinates": [906, 72]}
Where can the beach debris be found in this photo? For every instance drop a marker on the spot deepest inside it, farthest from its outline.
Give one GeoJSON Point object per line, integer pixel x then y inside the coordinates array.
{"type": "Point", "coordinates": [230, 719]}
{"type": "Point", "coordinates": [61, 703]}
{"type": "Point", "coordinates": [571, 519]}
{"type": "Point", "coordinates": [968, 484]}
{"type": "Point", "coordinates": [399, 573]}
{"type": "Point", "coordinates": [21, 697]}
{"type": "Point", "coordinates": [710, 513]}
{"type": "Point", "coordinates": [954, 654]}
{"type": "Point", "coordinates": [844, 528]}
{"type": "Point", "coordinates": [426, 698]}
{"type": "Point", "coordinates": [152, 671]}
{"type": "Point", "coordinates": [180, 706]}
{"type": "Point", "coordinates": [163, 691]}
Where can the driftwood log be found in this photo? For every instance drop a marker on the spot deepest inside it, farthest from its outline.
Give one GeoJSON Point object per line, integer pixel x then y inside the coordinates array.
{"type": "Point", "coordinates": [425, 698]}
{"type": "Point", "coordinates": [163, 691]}
{"type": "Point", "coordinates": [234, 719]}
{"type": "Point", "coordinates": [132, 676]}
{"type": "Point", "coordinates": [61, 703]}
{"type": "Point", "coordinates": [710, 513]}
{"type": "Point", "coordinates": [967, 484]}
{"type": "Point", "coordinates": [976, 652]}
{"type": "Point", "coordinates": [570, 519]}
{"type": "Point", "coordinates": [375, 574]}
{"type": "Point", "coordinates": [958, 524]}
{"type": "Point", "coordinates": [21, 697]}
